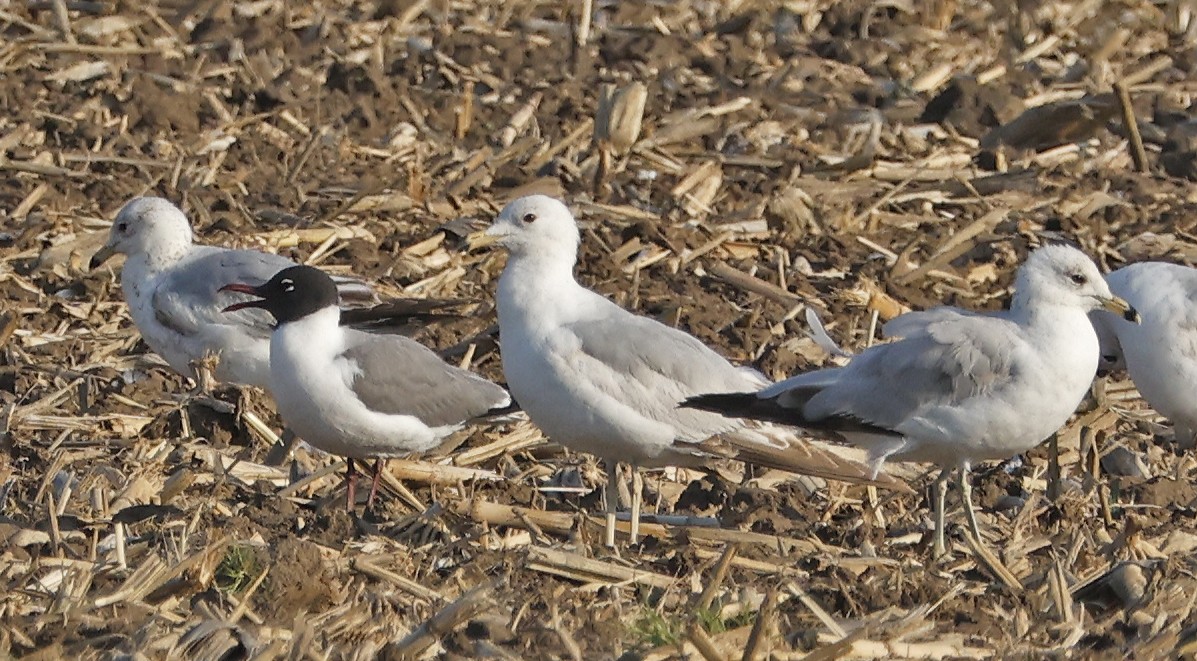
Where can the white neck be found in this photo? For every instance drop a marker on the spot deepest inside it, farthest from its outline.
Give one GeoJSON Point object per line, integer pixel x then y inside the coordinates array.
{"type": "Point", "coordinates": [538, 288]}
{"type": "Point", "coordinates": [325, 322]}
{"type": "Point", "coordinates": [1042, 311]}
{"type": "Point", "coordinates": [162, 257]}
{"type": "Point", "coordinates": [298, 342]}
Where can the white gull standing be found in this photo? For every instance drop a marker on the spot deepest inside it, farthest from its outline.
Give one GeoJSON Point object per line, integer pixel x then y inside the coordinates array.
{"type": "Point", "coordinates": [356, 394]}
{"type": "Point", "coordinates": [1161, 353]}
{"type": "Point", "coordinates": [170, 284]}
{"type": "Point", "coordinates": [959, 387]}
{"type": "Point", "coordinates": [599, 379]}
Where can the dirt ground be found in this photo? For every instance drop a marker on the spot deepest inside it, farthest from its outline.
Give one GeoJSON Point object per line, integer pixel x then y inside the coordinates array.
{"type": "Point", "coordinates": [860, 157]}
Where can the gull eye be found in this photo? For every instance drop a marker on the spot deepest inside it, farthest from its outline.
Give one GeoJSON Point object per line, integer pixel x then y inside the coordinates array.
{"type": "Point", "coordinates": [529, 218]}
{"type": "Point", "coordinates": [122, 227]}
{"type": "Point", "coordinates": [288, 285]}
{"type": "Point", "coordinates": [1078, 278]}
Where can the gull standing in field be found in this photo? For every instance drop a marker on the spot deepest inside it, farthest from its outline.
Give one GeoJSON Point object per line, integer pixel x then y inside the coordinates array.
{"type": "Point", "coordinates": [1161, 353]}
{"type": "Point", "coordinates": [959, 387]}
{"type": "Point", "coordinates": [599, 379]}
{"type": "Point", "coordinates": [356, 394]}
{"type": "Point", "coordinates": [171, 283]}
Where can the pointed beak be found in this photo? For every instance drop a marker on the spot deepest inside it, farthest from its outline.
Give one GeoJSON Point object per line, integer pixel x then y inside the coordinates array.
{"type": "Point", "coordinates": [243, 289]}
{"type": "Point", "coordinates": [102, 255]}
{"type": "Point", "coordinates": [1121, 307]}
{"type": "Point", "coordinates": [481, 239]}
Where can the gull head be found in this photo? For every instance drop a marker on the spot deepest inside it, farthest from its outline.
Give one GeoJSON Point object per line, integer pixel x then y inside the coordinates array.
{"type": "Point", "coordinates": [1062, 275]}
{"type": "Point", "coordinates": [146, 225]}
{"type": "Point", "coordinates": [292, 294]}
{"type": "Point", "coordinates": [536, 224]}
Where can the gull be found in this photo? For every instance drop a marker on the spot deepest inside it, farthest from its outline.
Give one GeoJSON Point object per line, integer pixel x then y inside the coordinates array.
{"type": "Point", "coordinates": [958, 387]}
{"type": "Point", "coordinates": [1161, 353]}
{"type": "Point", "coordinates": [601, 380]}
{"type": "Point", "coordinates": [356, 394]}
{"type": "Point", "coordinates": [170, 284]}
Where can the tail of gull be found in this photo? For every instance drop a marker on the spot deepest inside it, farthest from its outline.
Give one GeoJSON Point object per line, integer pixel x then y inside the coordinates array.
{"type": "Point", "coordinates": [511, 412]}
{"type": "Point", "coordinates": [399, 315]}
{"type": "Point", "coordinates": [354, 291]}
{"type": "Point", "coordinates": [743, 405]}
{"type": "Point", "coordinates": [764, 444]}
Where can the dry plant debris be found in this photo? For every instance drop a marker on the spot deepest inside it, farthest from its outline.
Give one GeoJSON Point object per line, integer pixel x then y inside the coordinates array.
{"type": "Point", "coordinates": [732, 163]}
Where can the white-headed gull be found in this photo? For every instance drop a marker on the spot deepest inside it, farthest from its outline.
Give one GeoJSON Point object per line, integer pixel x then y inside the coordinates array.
{"type": "Point", "coordinates": [599, 379]}
{"type": "Point", "coordinates": [959, 387]}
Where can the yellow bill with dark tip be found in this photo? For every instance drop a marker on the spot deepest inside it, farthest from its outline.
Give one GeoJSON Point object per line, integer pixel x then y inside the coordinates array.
{"type": "Point", "coordinates": [102, 255]}
{"type": "Point", "coordinates": [1119, 306]}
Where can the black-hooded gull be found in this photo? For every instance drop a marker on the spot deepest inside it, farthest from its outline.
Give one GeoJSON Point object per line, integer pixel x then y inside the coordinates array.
{"type": "Point", "coordinates": [355, 394]}
{"type": "Point", "coordinates": [170, 284]}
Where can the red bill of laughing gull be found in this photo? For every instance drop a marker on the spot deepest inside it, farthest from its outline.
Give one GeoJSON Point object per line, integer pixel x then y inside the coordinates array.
{"type": "Point", "coordinates": [171, 283]}
{"type": "Point", "coordinates": [959, 387]}
{"type": "Point", "coordinates": [356, 394]}
{"type": "Point", "coordinates": [602, 380]}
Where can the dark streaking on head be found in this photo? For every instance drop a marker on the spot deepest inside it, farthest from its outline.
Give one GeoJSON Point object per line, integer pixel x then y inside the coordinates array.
{"type": "Point", "coordinates": [292, 293]}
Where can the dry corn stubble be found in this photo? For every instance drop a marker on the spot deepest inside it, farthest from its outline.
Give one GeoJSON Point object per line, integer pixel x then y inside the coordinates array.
{"type": "Point", "coordinates": [732, 145]}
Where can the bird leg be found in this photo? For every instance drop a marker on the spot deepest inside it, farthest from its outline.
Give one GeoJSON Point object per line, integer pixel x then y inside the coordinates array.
{"type": "Point", "coordinates": [350, 484]}
{"type": "Point", "coordinates": [938, 550]}
{"type": "Point", "coordinates": [1186, 438]}
{"type": "Point", "coordinates": [966, 493]}
{"type": "Point", "coordinates": [279, 452]}
{"type": "Point", "coordinates": [612, 498]}
{"type": "Point", "coordinates": [637, 502]}
{"type": "Point", "coordinates": [374, 484]}
{"type": "Point", "coordinates": [204, 368]}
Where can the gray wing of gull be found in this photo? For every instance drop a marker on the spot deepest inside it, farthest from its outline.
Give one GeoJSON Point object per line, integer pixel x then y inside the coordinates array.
{"type": "Point", "coordinates": [652, 368]}
{"type": "Point", "coordinates": [944, 359]}
{"type": "Point", "coordinates": [399, 376]}
{"type": "Point", "coordinates": [188, 299]}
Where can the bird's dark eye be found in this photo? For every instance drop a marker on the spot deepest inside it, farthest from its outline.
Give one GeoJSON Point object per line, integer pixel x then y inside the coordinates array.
{"type": "Point", "coordinates": [529, 218]}
{"type": "Point", "coordinates": [1078, 278]}
{"type": "Point", "coordinates": [122, 227]}
{"type": "Point", "coordinates": [288, 285]}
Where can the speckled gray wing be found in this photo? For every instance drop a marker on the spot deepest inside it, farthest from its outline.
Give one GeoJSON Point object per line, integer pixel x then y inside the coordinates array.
{"type": "Point", "coordinates": [189, 298]}
{"type": "Point", "coordinates": [947, 357]}
{"type": "Point", "coordinates": [399, 376]}
{"type": "Point", "coordinates": [940, 363]}
{"type": "Point", "coordinates": [914, 322]}
{"type": "Point", "coordinates": [651, 368]}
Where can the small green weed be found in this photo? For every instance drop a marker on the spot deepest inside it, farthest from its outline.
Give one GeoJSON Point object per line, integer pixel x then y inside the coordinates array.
{"type": "Point", "coordinates": [712, 620]}
{"type": "Point", "coordinates": [237, 569]}
{"type": "Point", "coordinates": [656, 630]}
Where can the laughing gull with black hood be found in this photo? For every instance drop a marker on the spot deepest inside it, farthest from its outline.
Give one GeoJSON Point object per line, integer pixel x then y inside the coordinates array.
{"type": "Point", "coordinates": [356, 394]}
{"type": "Point", "coordinates": [171, 283]}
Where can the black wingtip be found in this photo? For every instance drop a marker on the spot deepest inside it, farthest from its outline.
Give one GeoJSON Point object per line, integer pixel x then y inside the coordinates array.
{"type": "Point", "coordinates": [727, 403]}
{"type": "Point", "coordinates": [743, 405]}
{"type": "Point", "coordinates": [394, 315]}
{"type": "Point", "coordinates": [512, 407]}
